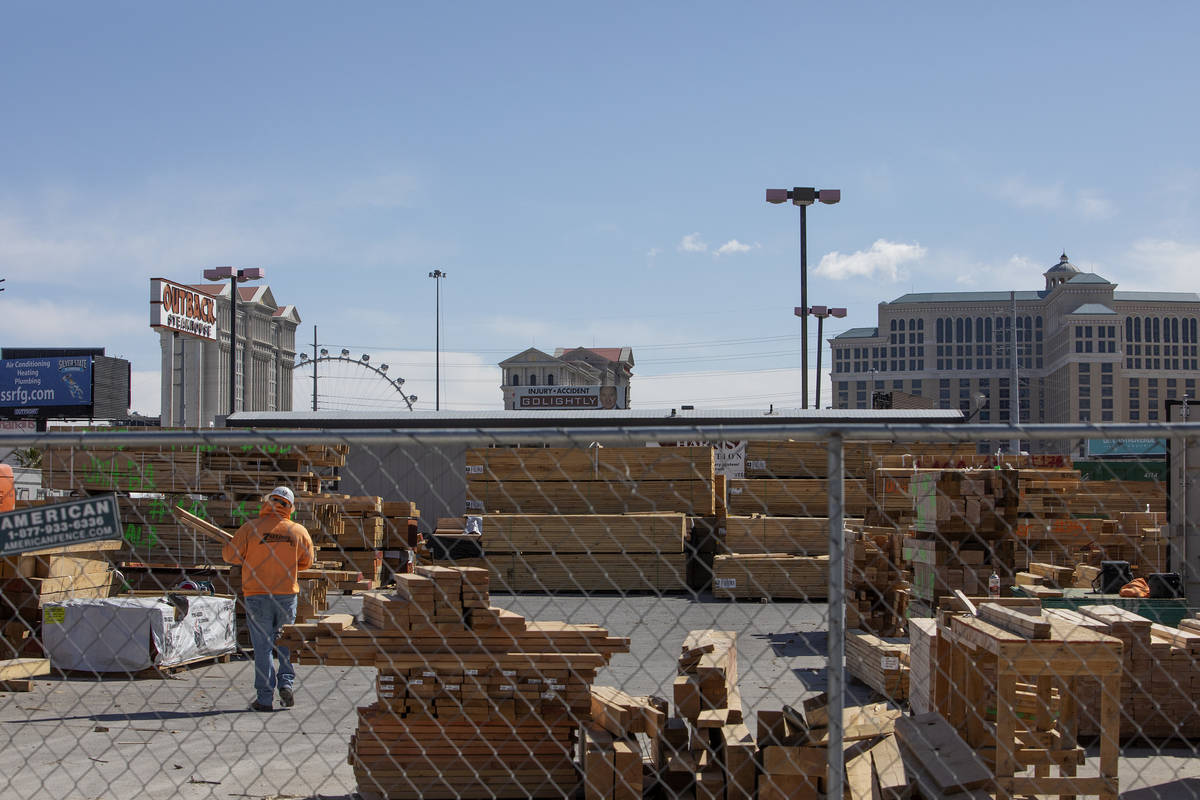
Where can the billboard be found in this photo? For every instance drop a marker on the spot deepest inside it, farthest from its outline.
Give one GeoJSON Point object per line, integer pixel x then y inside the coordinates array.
{"type": "Point", "coordinates": [28, 385]}
{"type": "Point", "coordinates": [1133, 448]}
{"type": "Point", "coordinates": [568, 398]}
{"type": "Point", "coordinates": [182, 309]}
{"type": "Point", "coordinates": [64, 386]}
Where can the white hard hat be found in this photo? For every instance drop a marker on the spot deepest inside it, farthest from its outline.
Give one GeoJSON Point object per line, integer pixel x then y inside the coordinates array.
{"type": "Point", "coordinates": [284, 493]}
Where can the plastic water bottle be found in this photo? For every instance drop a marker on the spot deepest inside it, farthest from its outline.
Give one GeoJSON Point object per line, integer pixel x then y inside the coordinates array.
{"type": "Point", "coordinates": [994, 585]}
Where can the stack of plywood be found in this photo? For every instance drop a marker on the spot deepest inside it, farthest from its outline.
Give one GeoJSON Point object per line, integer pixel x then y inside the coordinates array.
{"type": "Point", "coordinates": [587, 552]}
{"type": "Point", "coordinates": [595, 480]}
{"type": "Point", "coordinates": [472, 700]}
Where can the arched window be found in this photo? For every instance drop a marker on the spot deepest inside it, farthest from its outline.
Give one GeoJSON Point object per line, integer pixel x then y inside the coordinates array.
{"type": "Point", "coordinates": [1192, 325]}
{"type": "Point", "coordinates": [920, 323]}
{"type": "Point", "coordinates": [967, 330]}
{"type": "Point", "coordinates": [1137, 329]}
{"type": "Point", "coordinates": [516, 380]}
{"type": "Point", "coordinates": [533, 380]}
{"type": "Point", "coordinates": [939, 330]}
{"type": "Point", "coordinates": [1155, 335]}
{"type": "Point", "coordinates": [901, 325]}
{"type": "Point", "coordinates": [1129, 329]}
{"type": "Point", "coordinates": [1175, 330]}
{"type": "Point", "coordinates": [979, 329]}
{"type": "Point", "coordinates": [987, 329]}
{"type": "Point", "coordinates": [550, 380]}
{"type": "Point", "coordinates": [958, 332]}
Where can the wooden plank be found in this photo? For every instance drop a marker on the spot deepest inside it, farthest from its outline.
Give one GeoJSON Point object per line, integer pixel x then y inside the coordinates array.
{"type": "Point", "coordinates": [15, 669]}
{"type": "Point", "coordinates": [890, 776]}
{"type": "Point", "coordinates": [1012, 620]}
{"type": "Point", "coordinates": [943, 755]}
{"type": "Point", "coordinates": [201, 526]}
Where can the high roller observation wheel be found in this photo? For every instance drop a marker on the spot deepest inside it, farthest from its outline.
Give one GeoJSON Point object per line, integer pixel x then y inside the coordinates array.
{"type": "Point", "coordinates": [357, 403]}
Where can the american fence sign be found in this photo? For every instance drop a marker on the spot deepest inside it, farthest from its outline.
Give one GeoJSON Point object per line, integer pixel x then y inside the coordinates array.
{"type": "Point", "coordinates": [73, 522]}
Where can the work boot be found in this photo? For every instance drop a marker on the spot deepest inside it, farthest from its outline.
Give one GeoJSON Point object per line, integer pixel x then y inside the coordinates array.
{"type": "Point", "coordinates": [257, 706]}
{"type": "Point", "coordinates": [287, 698]}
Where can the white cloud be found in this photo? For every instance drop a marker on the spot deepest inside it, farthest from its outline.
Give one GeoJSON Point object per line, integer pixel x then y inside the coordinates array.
{"type": "Point", "coordinates": [1022, 193]}
{"type": "Point", "coordinates": [1160, 265]}
{"type": "Point", "coordinates": [882, 260]}
{"type": "Point", "coordinates": [1093, 204]}
{"type": "Point", "coordinates": [733, 246]}
{"type": "Point", "coordinates": [692, 244]}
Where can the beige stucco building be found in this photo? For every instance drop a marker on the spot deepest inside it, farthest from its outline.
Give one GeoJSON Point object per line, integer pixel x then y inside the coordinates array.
{"type": "Point", "coordinates": [1085, 351]}
{"type": "Point", "coordinates": [195, 371]}
{"type": "Point", "coordinates": [594, 377]}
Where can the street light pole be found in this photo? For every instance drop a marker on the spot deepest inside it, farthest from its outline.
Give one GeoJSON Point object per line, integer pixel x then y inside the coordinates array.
{"type": "Point", "coordinates": [820, 312]}
{"type": "Point", "coordinates": [437, 276]}
{"type": "Point", "coordinates": [804, 197]}
{"type": "Point", "coordinates": [235, 277]}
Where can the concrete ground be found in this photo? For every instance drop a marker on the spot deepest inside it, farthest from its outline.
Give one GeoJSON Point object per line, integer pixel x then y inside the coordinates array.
{"type": "Point", "coordinates": [191, 736]}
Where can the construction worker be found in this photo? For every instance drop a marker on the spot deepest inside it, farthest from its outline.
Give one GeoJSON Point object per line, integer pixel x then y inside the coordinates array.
{"type": "Point", "coordinates": [272, 550]}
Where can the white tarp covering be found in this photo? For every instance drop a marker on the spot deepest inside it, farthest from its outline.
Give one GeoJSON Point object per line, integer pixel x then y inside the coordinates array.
{"type": "Point", "coordinates": [124, 634]}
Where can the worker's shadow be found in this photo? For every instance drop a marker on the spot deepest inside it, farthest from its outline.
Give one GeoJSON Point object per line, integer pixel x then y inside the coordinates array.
{"type": "Point", "coordinates": [141, 716]}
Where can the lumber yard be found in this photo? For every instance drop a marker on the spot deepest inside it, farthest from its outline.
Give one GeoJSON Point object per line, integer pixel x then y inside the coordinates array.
{"type": "Point", "coordinates": [615, 621]}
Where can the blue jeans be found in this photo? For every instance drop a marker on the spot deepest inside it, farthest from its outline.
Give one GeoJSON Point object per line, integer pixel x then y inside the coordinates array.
{"type": "Point", "coordinates": [266, 614]}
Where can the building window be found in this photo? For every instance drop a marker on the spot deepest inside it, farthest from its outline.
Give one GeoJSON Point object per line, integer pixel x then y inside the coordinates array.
{"type": "Point", "coordinates": [533, 380]}
{"type": "Point", "coordinates": [516, 380]}
{"type": "Point", "coordinates": [549, 380]}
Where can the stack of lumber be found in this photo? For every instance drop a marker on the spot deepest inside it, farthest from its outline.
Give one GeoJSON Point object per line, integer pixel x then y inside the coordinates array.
{"type": "Point", "coordinates": [613, 755]}
{"type": "Point", "coordinates": [17, 674]}
{"type": "Point", "coordinates": [770, 576]}
{"type": "Point", "coordinates": [922, 661]}
{"type": "Point", "coordinates": [236, 472]}
{"type": "Point", "coordinates": [471, 700]}
{"type": "Point", "coordinates": [596, 480]}
{"type": "Point", "coordinates": [793, 751]}
{"type": "Point", "coordinates": [962, 532]}
{"type": "Point", "coordinates": [1045, 580]}
{"type": "Point", "coordinates": [772, 557]}
{"type": "Point", "coordinates": [587, 552]}
{"type": "Point", "coordinates": [706, 748]}
{"type": "Point", "coordinates": [793, 497]}
{"type": "Point", "coordinates": [30, 580]}
{"type": "Point", "coordinates": [811, 459]}
{"type": "Point", "coordinates": [758, 535]}
{"type": "Point", "coordinates": [876, 588]}
{"type": "Point", "coordinates": [880, 663]}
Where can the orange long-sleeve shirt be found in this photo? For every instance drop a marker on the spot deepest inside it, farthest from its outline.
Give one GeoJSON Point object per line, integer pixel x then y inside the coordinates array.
{"type": "Point", "coordinates": [272, 550]}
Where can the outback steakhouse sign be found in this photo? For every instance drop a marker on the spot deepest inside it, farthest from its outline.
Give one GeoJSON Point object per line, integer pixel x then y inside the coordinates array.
{"type": "Point", "coordinates": [183, 309]}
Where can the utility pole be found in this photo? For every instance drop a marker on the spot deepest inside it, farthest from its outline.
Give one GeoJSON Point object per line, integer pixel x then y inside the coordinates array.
{"type": "Point", "coordinates": [314, 367]}
{"type": "Point", "coordinates": [1014, 398]}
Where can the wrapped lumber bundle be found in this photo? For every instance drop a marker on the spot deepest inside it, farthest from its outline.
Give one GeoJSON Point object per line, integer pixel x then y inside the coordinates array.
{"type": "Point", "coordinates": [938, 568]}
{"type": "Point", "coordinates": [587, 553]}
{"type": "Point", "coordinates": [598, 480]}
{"type": "Point", "coordinates": [154, 469]}
{"type": "Point", "coordinates": [471, 700]}
{"type": "Point", "coordinates": [771, 576]}
{"type": "Point", "coordinates": [879, 663]}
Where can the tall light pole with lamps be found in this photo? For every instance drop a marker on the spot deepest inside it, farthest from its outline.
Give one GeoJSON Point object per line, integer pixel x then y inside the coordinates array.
{"type": "Point", "coordinates": [820, 312]}
{"type": "Point", "coordinates": [437, 276]}
{"type": "Point", "coordinates": [804, 197]}
{"type": "Point", "coordinates": [235, 277]}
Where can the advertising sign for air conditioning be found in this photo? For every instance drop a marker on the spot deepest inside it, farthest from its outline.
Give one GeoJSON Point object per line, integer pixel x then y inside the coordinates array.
{"type": "Point", "coordinates": [29, 387]}
{"type": "Point", "coordinates": [183, 309]}
{"type": "Point", "coordinates": [568, 398]}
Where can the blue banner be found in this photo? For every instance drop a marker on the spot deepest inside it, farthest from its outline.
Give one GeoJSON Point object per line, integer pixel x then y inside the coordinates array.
{"type": "Point", "coordinates": [31, 383]}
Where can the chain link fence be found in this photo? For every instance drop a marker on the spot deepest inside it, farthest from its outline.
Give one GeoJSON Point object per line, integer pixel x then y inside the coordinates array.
{"type": "Point", "coordinates": [734, 612]}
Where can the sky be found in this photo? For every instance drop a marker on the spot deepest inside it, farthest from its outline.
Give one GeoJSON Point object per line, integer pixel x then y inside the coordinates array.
{"type": "Point", "coordinates": [584, 174]}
